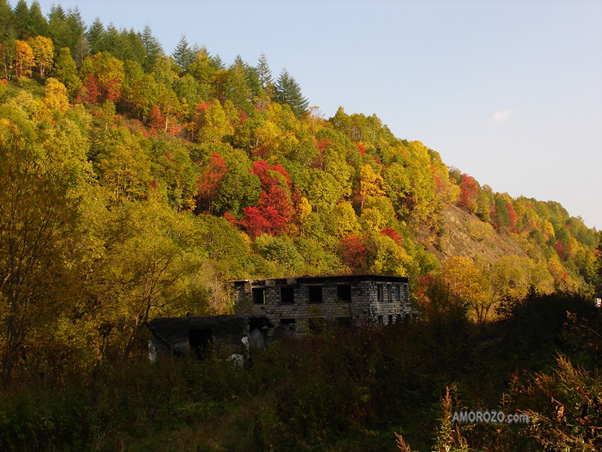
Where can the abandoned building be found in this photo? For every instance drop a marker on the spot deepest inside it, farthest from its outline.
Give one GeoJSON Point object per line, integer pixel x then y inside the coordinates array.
{"type": "Point", "coordinates": [277, 307]}
{"type": "Point", "coordinates": [306, 303]}
{"type": "Point", "coordinates": [224, 335]}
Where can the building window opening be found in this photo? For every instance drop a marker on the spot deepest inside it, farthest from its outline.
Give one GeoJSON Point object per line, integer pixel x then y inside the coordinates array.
{"type": "Point", "coordinates": [259, 295]}
{"type": "Point", "coordinates": [287, 295]}
{"type": "Point", "coordinates": [390, 319]}
{"type": "Point", "coordinates": [344, 293]}
{"type": "Point", "coordinates": [398, 292]}
{"type": "Point", "coordinates": [390, 293]}
{"type": "Point", "coordinates": [200, 342]}
{"type": "Point", "coordinates": [379, 292]}
{"type": "Point", "coordinates": [315, 294]}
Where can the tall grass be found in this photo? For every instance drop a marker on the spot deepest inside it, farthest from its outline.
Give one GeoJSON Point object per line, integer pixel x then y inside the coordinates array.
{"type": "Point", "coordinates": [342, 389]}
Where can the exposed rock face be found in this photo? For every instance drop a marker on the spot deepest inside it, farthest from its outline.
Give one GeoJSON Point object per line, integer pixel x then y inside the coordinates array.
{"type": "Point", "coordinates": [466, 235]}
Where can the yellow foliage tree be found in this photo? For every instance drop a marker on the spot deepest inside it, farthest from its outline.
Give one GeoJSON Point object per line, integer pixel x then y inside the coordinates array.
{"type": "Point", "coordinates": [24, 59]}
{"type": "Point", "coordinates": [56, 97]}
{"type": "Point", "coordinates": [466, 284]}
{"type": "Point", "coordinates": [43, 53]}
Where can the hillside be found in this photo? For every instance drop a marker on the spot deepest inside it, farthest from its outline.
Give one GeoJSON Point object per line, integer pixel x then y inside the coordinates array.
{"type": "Point", "coordinates": [468, 236]}
{"type": "Point", "coordinates": [134, 184]}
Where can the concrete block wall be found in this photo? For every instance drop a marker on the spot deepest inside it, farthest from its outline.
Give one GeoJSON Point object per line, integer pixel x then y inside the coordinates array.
{"type": "Point", "coordinates": [364, 307]}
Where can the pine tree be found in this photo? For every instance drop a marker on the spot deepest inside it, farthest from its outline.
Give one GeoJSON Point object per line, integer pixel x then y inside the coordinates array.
{"type": "Point", "coordinates": [288, 92]}
{"type": "Point", "coordinates": [183, 54]}
{"type": "Point", "coordinates": [97, 37]}
{"type": "Point", "coordinates": [38, 25]}
{"type": "Point", "coordinates": [264, 72]}
{"type": "Point", "coordinates": [6, 21]}
{"type": "Point", "coordinates": [57, 27]}
{"type": "Point", "coordinates": [152, 48]}
{"type": "Point", "coordinates": [76, 27]}
{"type": "Point", "coordinates": [237, 87]}
{"type": "Point", "coordinates": [22, 19]}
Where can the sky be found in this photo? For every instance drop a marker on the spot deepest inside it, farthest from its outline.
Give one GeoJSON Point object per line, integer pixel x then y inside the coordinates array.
{"type": "Point", "coordinates": [508, 91]}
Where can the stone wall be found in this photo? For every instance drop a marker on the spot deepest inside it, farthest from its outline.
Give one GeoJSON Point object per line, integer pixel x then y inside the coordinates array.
{"type": "Point", "coordinates": [304, 303]}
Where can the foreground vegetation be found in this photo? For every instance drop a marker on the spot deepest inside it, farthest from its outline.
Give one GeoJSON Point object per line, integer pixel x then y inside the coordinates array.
{"type": "Point", "coordinates": [340, 390]}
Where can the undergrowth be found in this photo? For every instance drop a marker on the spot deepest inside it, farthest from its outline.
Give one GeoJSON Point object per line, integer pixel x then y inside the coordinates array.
{"type": "Point", "coordinates": [342, 389]}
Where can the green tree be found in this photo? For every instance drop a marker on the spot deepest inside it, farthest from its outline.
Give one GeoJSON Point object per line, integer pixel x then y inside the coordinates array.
{"type": "Point", "coordinates": [65, 71]}
{"type": "Point", "coordinates": [183, 54]}
{"type": "Point", "coordinates": [97, 37]}
{"type": "Point", "coordinates": [150, 255]}
{"type": "Point", "coordinates": [288, 91]}
{"type": "Point", "coordinates": [7, 30]}
{"type": "Point", "coordinates": [237, 87]}
{"type": "Point", "coordinates": [37, 218]}
{"type": "Point", "coordinates": [214, 125]}
{"type": "Point", "coordinates": [152, 48]}
{"type": "Point", "coordinates": [265, 74]}
{"type": "Point", "coordinates": [597, 278]}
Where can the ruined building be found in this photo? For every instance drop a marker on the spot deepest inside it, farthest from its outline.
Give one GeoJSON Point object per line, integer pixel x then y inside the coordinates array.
{"type": "Point", "coordinates": [304, 303]}
{"type": "Point", "coordinates": [276, 307]}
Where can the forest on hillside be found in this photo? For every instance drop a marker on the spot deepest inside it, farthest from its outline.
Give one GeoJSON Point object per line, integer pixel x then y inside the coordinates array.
{"type": "Point", "coordinates": [134, 184]}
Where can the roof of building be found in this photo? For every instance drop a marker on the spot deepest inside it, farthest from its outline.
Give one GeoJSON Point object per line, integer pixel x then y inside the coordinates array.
{"type": "Point", "coordinates": [324, 279]}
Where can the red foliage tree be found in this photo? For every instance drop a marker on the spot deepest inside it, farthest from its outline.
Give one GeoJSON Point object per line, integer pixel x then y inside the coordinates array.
{"type": "Point", "coordinates": [274, 210]}
{"type": "Point", "coordinates": [469, 191]}
{"type": "Point", "coordinates": [210, 181]}
{"type": "Point", "coordinates": [392, 233]}
{"type": "Point", "coordinates": [156, 119]}
{"type": "Point", "coordinates": [513, 217]}
{"type": "Point", "coordinates": [355, 253]}
{"type": "Point", "coordinates": [560, 249]}
{"type": "Point", "coordinates": [112, 90]}
{"type": "Point", "coordinates": [89, 92]}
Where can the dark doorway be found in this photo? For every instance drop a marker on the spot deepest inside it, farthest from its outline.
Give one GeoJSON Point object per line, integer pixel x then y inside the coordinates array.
{"type": "Point", "coordinates": [201, 342]}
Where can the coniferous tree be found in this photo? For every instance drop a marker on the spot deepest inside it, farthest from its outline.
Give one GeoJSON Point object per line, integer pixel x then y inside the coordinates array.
{"type": "Point", "coordinates": [38, 25]}
{"type": "Point", "coordinates": [217, 62]}
{"type": "Point", "coordinates": [152, 48]}
{"type": "Point", "coordinates": [287, 91]}
{"type": "Point", "coordinates": [6, 21]}
{"type": "Point", "coordinates": [183, 54]}
{"type": "Point", "coordinates": [97, 37]}
{"type": "Point", "coordinates": [237, 87]}
{"type": "Point", "coordinates": [22, 19]}
{"type": "Point", "coordinates": [76, 27]}
{"type": "Point", "coordinates": [57, 26]}
{"type": "Point", "coordinates": [264, 74]}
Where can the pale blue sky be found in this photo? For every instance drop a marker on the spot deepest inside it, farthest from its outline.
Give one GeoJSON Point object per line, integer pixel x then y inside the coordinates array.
{"type": "Point", "coordinates": [507, 91]}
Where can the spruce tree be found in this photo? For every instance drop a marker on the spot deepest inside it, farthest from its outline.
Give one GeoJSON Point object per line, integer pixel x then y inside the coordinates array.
{"type": "Point", "coordinates": [22, 19]}
{"type": "Point", "coordinates": [288, 92]}
{"type": "Point", "coordinates": [97, 37]}
{"type": "Point", "coordinates": [38, 25]}
{"type": "Point", "coordinates": [152, 48]}
{"type": "Point", "coordinates": [6, 21]}
{"type": "Point", "coordinates": [264, 73]}
{"type": "Point", "coordinates": [183, 54]}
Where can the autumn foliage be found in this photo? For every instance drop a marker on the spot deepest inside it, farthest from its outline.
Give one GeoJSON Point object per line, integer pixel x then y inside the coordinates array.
{"type": "Point", "coordinates": [274, 210]}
